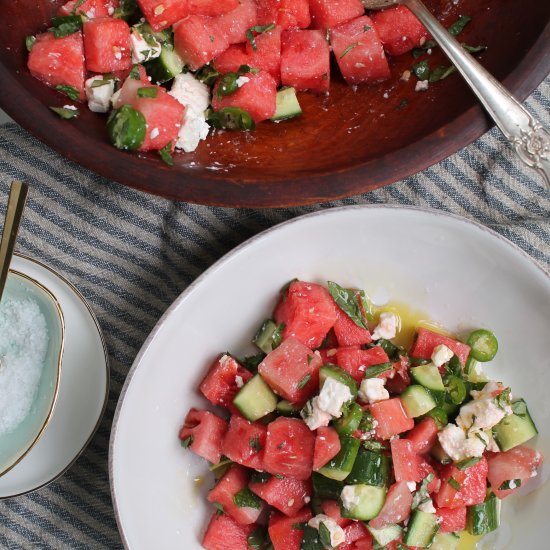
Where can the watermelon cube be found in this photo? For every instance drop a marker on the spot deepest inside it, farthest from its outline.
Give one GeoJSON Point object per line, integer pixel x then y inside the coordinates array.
{"type": "Point", "coordinates": [327, 446]}
{"type": "Point", "coordinates": [348, 333]}
{"type": "Point", "coordinates": [391, 417]}
{"type": "Point", "coordinates": [306, 309]}
{"type": "Point", "coordinates": [107, 45]}
{"type": "Point", "coordinates": [199, 39]}
{"type": "Point", "coordinates": [289, 448]}
{"type": "Point", "coordinates": [399, 30]}
{"type": "Point", "coordinates": [284, 13]}
{"type": "Point", "coordinates": [244, 442]}
{"type": "Point", "coordinates": [231, 483]}
{"type": "Point", "coordinates": [331, 508]}
{"type": "Point", "coordinates": [305, 61]}
{"type": "Point", "coordinates": [451, 520]}
{"type": "Point", "coordinates": [211, 8]}
{"type": "Point", "coordinates": [284, 531]}
{"type": "Point", "coordinates": [288, 495]}
{"type": "Point", "coordinates": [57, 61]}
{"type": "Point", "coordinates": [205, 432]}
{"type": "Point", "coordinates": [257, 96]}
{"type": "Point", "coordinates": [359, 52]}
{"type": "Point", "coordinates": [406, 462]}
{"type": "Point", "coordinates": [90, 8]}
{"type": "Point", "coordinates": [292, 371]}
{"type": "Point", "coordinates": [224, 533]}
{"type": "Point", "coordinates": [424, 435]}
{"type": "Point", "coordinates": [231, 59]}
{"type": "Point", "coordinates": [162, 13]}
{"type": "Point", "coordinates": [472, 482]}
{"type": "Point", "coordinates": [356, 361]}
{"type": "Point", "coordinates": [326, 14]}
{"type": "Point", "coordinates": [426, 340]}
{"type": "Point", "coordinates": [234, 24]}
{"type": "Point", "coordinates": [223, 380]}
{"type": "Point", "coordinates": [265, 53]}
{"type": "Point", "coordinates": [397, 507]}
{"type": "Point", "coordinates": [355, 532]}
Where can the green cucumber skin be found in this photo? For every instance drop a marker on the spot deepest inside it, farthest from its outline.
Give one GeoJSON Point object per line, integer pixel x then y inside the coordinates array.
{"type": "Point", "coordinates": [340, 375]}
{"type": "Point", "coordinates": [287, 105]}
{"type": "Point", "coordinates": [370, 468]}
{"type": "Point", "coordinates": [165, 67]}
{"type": "Point", "coordinates": [351, 421]}
{"type": "Point", "coordinates": [255, 399]}
{"type": "Point", "coordinates": [341, 465]}
{"type": "Point", "coordinates": [445, 541]}
{"type": "Point", "coordinates": [428, 376]}
{"type": "Point", "coordinates": [325, 487]}
{"type": "Point", "coordinates": [385, 535]}
{"type": "Point", "coordinates": [485, 517]}
{"type": "Point", "coordinates": [417, 400]}
{"type": "Point", "coordinates": [513, 430]}
{"type": "Point", "coordinates": [421, 529]}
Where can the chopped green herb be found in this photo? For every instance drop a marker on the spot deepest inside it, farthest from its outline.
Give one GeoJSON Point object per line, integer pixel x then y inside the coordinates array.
{"type": "Point", "coordinates": [258, 29]}
{"type": "Point", "coordinates": [519, 408]}
{"type": "Point", "coordinates": [186, 442]}
{"type": "Point", "coordinates": [422, 495]}
{"type": "Point", "coordinates": [377, 370]}
{"type": "Point", "coordinates": [299, 525]}
{"type": "Point", "coordinates": [510, 484]}
{"type": "Point", "coordinates": [441, 72]}
{"type": "Point", "coordinates": [474, 49]}
{"type": "Point", "coordinates": [207, 74]}
{"type": "Point", "coordinates": [367, 422]}
{"type": "Point", "coordinates": [422, 70]}
{"type": "Point", "coordinates": [134, 72]}
{"type": "Point", "coordinates": [373, 445]}
{"type": "Point", "coordinates": [468, 462]}
{"type": "Point", "coordinates": [148, 91]}
{"type": "Point", "coordinates": [256, 539]}
{"type": "Point", "coordinates": [325, 76]}
{"type": "Point", "coordinates": [454, 484]}
{"type": "Point", "coordinates": [458, 26]}
{"type": "Point", "coordinates": [29, 42]}
{"type": "Point", "coordinates": [347, 300]}
{"type": "Point", "coordinates": [69, 91]}
{"type": "Point", "coordinates": [251, 362]}
{"type": "Point", "coordinates": [245, 498]}
{"type": "Point", "coordinates": [402, 104]}
{"type": "Point", "coordinates": [211, 38]}
{"type": "Point", "coordinates": [279, 476]}
{"type": "Point", "coordinates": [65, 113]}
{"type": "Point", "coordinates": [126, 9]}
{"type": "Point", "coordinates": [367, 28]}
{"type": "Point", "coordinates": [64, 25]}
{"type": "Point", "coordinates": [478, 435]}
{"type": "Point", "coordinates": [349, 48]}
{"type": "Point", "coordinates": [309, 359]}
{"type": "Point", "coordinates": [219, 508]}
{"type": "Point", "coordinates": [454, 366]}
{"type": "Point", "coordinates": [166, 154]}
{"type": "Point", "coordinates": [281, 445]}
{"type": "Point", "coordinates": [77, 5]}
{"type": "Point", "coordinates": [107, 79]}
{"type": "Point", "coordinates": [324, 535]}
{"type": "Point", "coordinates": [301, 384]}
{"type": "Point", "coordinates": [230, 118]}
{"type": "Point", "coordinates": [254, 443]}
{"type": "Point", "coordinates": [502, 400]}
{"type": "Point", "coordinates": [260, 477]}
{"type": "Point", "coordinates": [221, 464]}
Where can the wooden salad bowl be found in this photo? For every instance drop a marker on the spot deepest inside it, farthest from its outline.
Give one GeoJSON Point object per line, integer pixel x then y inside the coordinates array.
{"type": "Point", "coordinates": [346, 143]}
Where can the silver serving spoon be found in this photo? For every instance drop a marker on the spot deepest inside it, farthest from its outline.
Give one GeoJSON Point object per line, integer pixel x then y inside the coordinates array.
{"type": "Point", "coordinates": [528, 137]}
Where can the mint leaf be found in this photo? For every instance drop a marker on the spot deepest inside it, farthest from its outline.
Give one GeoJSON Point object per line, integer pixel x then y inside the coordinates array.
{"type": "Point", "coordinates": [69, 91]}
{"type": "Point", "coordinates": [346, 300]}
{"type": "Point", "coordinates": [166, 154]}
{"type": "Point", "coordinates": [245, 498]}
{"type": "Point", "coordinates": [65, 113]}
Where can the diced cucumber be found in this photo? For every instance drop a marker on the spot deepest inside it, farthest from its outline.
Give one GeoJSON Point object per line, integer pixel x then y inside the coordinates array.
{"type": "Point", "coordinates": [341, 465]}
{"type": "Point", "coordinates": [422, 529]}
{"type": "Point", "coordinates": [165, 67]}
{"type": "Point", "coordinates": [445, 541]}
{"type": "Point", "coordinates": [255, 399]}
{"type": "Point", "coordinates": [515, 429]}
{"type": "Point", "coordinates": [311, 539]}
{"type": "Point", "coordinates": [340, 375]}
{"type": "Point", "coordinates": [440, 416]}
{"type": "Point", "coordinates": [417, 400]}
{"type": "Point", "coordinates": [350, 422]}
{"type": "Point", "coordinates": [485, 517]}
{"type": "Point", "coordinates": [473, 371]}
{"type": "Point", "coordinates": [163, 36]}
{"type": "Point", "coordinates": [325, 487]}
{"type": "Point", "coordinates": [370, 468]}
{"type": "Point", "coordinates": [287, 409]}
{"type": "Point", "coordinates": [287, 105]}
{"type": "Point", "coordinates": [428, 376]}
{"type": "Point", "coordinates": [269, 336]}
{"type": "Point", "coordinates": [385, 535]}
{"type": "Point", "coordinates": [369, 499]}
{"type": "Point", "coordinates": [439, 454]}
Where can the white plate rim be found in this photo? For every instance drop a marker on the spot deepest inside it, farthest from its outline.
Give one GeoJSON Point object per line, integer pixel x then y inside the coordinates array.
{"type": "Point", "coordinates": [81, 298]}
{"type": "Point", "coordinates": [234, 252]}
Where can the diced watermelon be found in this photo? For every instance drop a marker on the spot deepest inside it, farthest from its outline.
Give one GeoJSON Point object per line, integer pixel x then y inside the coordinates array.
{"type": "Point", "coordinates": [232, 482]}
{"type": "Point", "coordinates": [258, 96]}
{"type": "Point", "coordinates": [426, 340]}
{"type": "Point", "coordinates": [284, 13]}
{"type": "Point", "coordinates": [331, 508]}
{"type": "Point", "coordinates": [366, 543]}
{"type": "Point", "coordinates": [235, 23]}
{"type": "Point", "coordinates": [244, 442]}
{"type": "Point", "coordinates": [206, 431]}
{"type": "Point", "coordinates": [391, 417]}
{"type": "Point", "coordinates": [284, 532]}
{"type": "Point", "coordinates": [223, 381]}
{"type": "Point", "coordinates": [517, 463]}
{"type": "Point", "coordinates": [326, 14]}
{"type": "Point", "coordinates": [348, 333]}
{"type": "Point", "coordinates": [356, 361]}
{"type": "Point", "coordinates": [472, 481]}
{"type": "Point", "coordinates": [57, 61]}
{"type": "Point", "coordinates": [424, 435]}
{"type": "Point", "coordinates": [357, 531]}
{"type": "Point", "coordinates": [199, 39]}
{"type": "Point", "coordinates": [426, 467]}
{"type": "Point", "coordinates": [162, 13]}
{"type": "Point", "coordinates": [399, 30]}
{"type": "Point", "coordinates": [292, 371]}
{"type": "Point", "coordinates": [327, 446]}
{"type": "Point", "coordinates": [267, 53]}
{"type": "Point", "coordinates": [359, 52]}
{"type": "Point", "coordinates": [401, 379]}
{"type": "Point", "coordinates": [107, 45]}
{"type": "Point", "coordinates": [288, 495]}
{"type": "Point", "coordinates": [224, 533]}
{"type": "Point", "coordinates": [305, 62]}
{"type": "Point", "coordinates": [230, 60]}
{"type": "Point", "coordinates": [451, 519]}
{"type": "Point", "coordinates": [397, 507]}
{"type": "Point", "coordinates": [406, 463]}
{"type": "Point", "coordinates": [128, 91]}
{"type": "Point", "coordinates": [90, 8]}
{"type": "Point", "coordinates": [289, 448]}
{"type": "Point", "coordinates": [328, 355]}
{"type": "Point", "coordinates": [211, 7]}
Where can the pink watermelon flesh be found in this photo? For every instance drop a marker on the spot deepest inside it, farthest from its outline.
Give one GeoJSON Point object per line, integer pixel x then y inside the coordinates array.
{"type": "Point", "coordinates": [326, 14]}
{"type": "Point", "coordinates": [107, 45]}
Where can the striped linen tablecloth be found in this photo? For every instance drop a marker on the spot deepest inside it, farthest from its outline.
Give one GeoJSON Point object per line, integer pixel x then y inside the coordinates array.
{"type": "Point", "coordinates": [131, 255]}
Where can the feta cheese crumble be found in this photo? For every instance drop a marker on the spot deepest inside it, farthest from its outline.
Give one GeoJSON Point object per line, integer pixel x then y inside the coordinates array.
{"type": "Point", "coordinates": [427, 506]}
{"type": "Point", "coordinates": [372, 390]}
{"type": "Point", "coordinates": [412, 486]}
{"type": "Point", "coordinates": [441, 354]}
{"type": "Point", "coordinates": [332, 397]}
{"type": "Point", "coordinates": [99, 97]}
{"type": "Point", "coordinates": [142, 49]}
{"type": "Point", "coordinates": [349, 497]}
{"type": "Point", "coordinates": [387, 326]}
{"type": "Point", "coordinates": [242, 80]}
{"type": "Point", "coordinates": [421, 86]}
{"type": "Point", "coordinates": [337, 535]}
{"type": "Point", "coordinates": [458, 445]}
{"type": "Point", "coordinates": [315, 417]}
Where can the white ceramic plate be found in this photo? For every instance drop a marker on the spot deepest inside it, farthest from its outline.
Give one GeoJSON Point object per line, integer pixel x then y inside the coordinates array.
{"type": "Point", "coordinates": [463, 275]}
{"type": "Point", "coordinates": [83, 389]}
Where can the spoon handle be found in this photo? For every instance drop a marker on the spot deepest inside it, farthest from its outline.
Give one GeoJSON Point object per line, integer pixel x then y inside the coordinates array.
{"type": "Point", "coordinates": [14, 213]}
{"type": "Point", "coordinates": [528, 137]}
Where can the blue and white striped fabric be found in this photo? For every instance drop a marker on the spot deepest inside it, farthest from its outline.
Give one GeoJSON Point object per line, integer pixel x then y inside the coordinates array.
{"type": "Point", "coordinates": [131, 254]}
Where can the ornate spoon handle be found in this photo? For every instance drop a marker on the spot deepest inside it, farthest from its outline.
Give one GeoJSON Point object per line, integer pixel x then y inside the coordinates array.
{"type": "Point", "coordinates": [529, 138]}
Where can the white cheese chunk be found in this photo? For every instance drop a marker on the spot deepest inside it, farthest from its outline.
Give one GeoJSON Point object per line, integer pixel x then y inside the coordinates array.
{"type": "Point", "coordinates": [99, 97]}
{"type": "Point", "coordinates": [337, 535]}
{"type": "Point", "coordinates": [427, 507]}
{"type": "Point", "coordinates": [349, 497]}
{"type": "Point", "coordinates": [143, 50]}
{"type": "Point", "coordinates": [372, 390]}
{"type": "Point", "coordinates": [242, 80]}
{"type": "Point", "coordinates": [441, 354]}
{"type": "Point", "coordinates": [422, 86]}
{"type": "Point", "coordinates": [316, 418]}
{"type": "Point", "coordinates": [412, 486]}
{"type": "Point", "coordinates": [387, 326]}
{"type": "Point", "coordinates": [332, 396]}
{"type": "Point", "coordinates": [458, 446]}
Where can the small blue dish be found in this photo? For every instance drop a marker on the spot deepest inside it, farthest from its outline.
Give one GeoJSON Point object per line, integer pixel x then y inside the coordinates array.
{"type": "Point", "coordinates": [16, 444]}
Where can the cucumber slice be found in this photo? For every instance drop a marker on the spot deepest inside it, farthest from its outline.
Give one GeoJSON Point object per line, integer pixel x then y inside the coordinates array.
{"type": "Point", "coordinates": [385, 535]}
{"type": "Point", "coordinates": [341, 465]}
{"type": "Point", "coordinates": [351, 421]}
{"type": "Point", "coordinates": [515, 429]}
{"type": "Point", "coordinates": [440, 416]}
{"type": "Point", "coordinates": [369, 499]}
{"type": "Point", "coordinates": [165, 67]}
{"type": "Point", "coordinates": [255, 399]}
{"type": "Point", "coordinates": [485, 517]}
{"type": "Point", "coordinates": [163, 36]}
{"type": "Point", "coordinates": [445, 541]}
{"type": "Point", "coordinates": [311, 539]}
{"type": "Point", "coordinates": [417, 401]}
{"type": "Point", "coordinates": [287, 409]}
{"type": "Point", "coordinates": [340, 375]}
{"type": "Point", "coordinates": [370, 468]}
{"type": "Point", "coordinates": [287, 105]}
{"type": "Point", "coordinates": [422, 529]}
{"type": "Point", "coordinates": [326, 488]}
{"type": "Point", "coordinates": [428, 376]}
{"type": "Point", "coordinates": [269, 336]}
